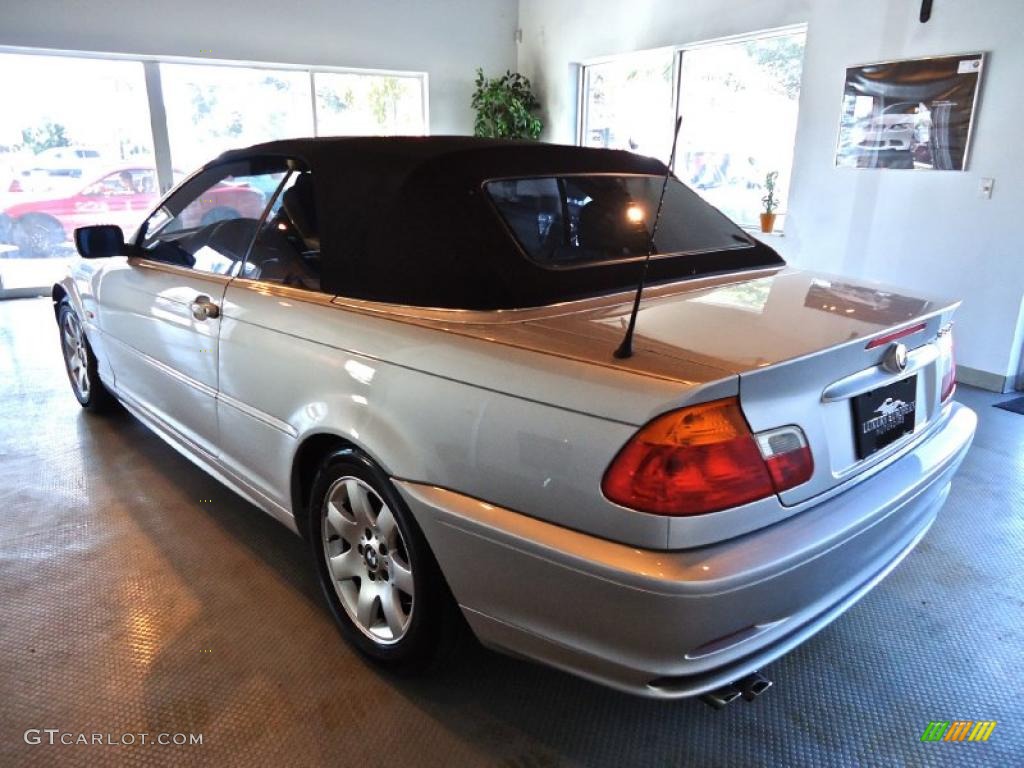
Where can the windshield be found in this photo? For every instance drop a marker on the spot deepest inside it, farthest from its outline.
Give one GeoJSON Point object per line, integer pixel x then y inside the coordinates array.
{"type": "Point", "coordinates": [586, 220]}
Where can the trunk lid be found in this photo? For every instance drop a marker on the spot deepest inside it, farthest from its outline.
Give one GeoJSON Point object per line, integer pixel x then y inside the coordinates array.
{"type": "Point", "coordinates": [800, 344]}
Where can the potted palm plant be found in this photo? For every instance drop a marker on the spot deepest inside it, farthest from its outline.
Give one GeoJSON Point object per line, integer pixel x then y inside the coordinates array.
{"type": "Point", "coordinates": [770, 202]}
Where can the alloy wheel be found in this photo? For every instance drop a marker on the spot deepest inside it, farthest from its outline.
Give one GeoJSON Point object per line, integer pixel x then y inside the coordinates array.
{"type": "Point", "coordinates": [367, 560]}
{"type": "Point", "coordinates": [39, 238]}
{"type": "Point", "coordinates": [76, 355]}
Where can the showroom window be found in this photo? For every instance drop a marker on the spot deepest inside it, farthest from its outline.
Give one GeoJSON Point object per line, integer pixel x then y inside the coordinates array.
{"type": "Point", "coordinates": [738, 99]}
{"type": "Point", "coordinates": [630, 103]}
{"type": "Point", "coordinates": [351, 104]}
{"type": "Point", "coordinates": [79, 144]}
{"type": "Point", "coordinates": [211, 109]}
{"type": "Point", "coordinates": [68, 128]}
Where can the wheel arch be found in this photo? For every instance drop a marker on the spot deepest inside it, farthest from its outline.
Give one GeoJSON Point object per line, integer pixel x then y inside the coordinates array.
{"type": "Point", "coordinates": [312, 450]}
{"type": "Point", "coordinates": [43, 216]}
{"type": "Point", "coordinates": [58, 293]}
{"type": "Point", "coordinates": [66, 290]}
{"type": "Point", "coordinates": [39, 216]}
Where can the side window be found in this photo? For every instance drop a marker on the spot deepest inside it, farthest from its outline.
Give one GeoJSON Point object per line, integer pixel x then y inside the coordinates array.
{"type": "Point", "coordinates": [208, 224]}
{"type": "Point", "coordinates": [140, 182]}
{"type": "Point", "coordinates": [287, 248]}
{"type": "Point", "coordinates": [123, 184]}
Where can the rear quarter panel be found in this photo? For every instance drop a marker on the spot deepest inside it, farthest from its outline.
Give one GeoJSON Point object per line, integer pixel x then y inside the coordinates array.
{"type": "Point", "coordinates": [505, 425]}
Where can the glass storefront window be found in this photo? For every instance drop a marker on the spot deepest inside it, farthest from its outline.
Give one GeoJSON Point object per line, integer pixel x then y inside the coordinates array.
{"type": "Point", "coordinates": [739, 104]}
{"type": "Point", "coordinates": [628, 104]}
{"type": "Point", "coordinates": [738, 100]}
{"type": "Point", "coordinates": [76, 148]}
{"type": "Point", "coordinates": [351, 104]}
{"type": "Point", "coordinates": [214, 108]}
{"type": "Point", "coordinates": [77, 143]}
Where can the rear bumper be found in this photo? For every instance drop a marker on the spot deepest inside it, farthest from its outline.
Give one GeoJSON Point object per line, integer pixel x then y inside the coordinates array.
{"type": "Point", "coordinates": [669, 624]}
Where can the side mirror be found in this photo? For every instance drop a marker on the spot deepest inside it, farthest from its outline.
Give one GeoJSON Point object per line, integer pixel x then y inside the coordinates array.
{"type": "Point", "coordinates": [100, 241]}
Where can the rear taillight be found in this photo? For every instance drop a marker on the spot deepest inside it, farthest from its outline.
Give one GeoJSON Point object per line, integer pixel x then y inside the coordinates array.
{"type": "Point", "coordinates": [787, 457]}
{"type": "Point", "coordinates": [15, 186]}
{"type": "Point", "coordinates": [703, 459]}
{"type": "Point", "coordinates": [947, 359]}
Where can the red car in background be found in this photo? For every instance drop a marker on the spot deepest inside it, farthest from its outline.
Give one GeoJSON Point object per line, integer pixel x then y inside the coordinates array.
{"type": "Point", "coordinates": [37, 227]}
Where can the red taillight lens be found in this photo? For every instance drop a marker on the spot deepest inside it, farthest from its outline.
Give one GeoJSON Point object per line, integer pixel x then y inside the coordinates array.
{"type": "Point", "coordinates": [700, 459]}
{"type": "Point", "coordinates": [947, 358]}
{"type": "Point", "coordinates": [15, 186]}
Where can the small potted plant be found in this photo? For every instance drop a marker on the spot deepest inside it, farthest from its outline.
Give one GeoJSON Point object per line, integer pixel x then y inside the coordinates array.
{"type": "Point", "coordinates": [770, 202]}
{"type": "Point", "coordinates": [505, 107]}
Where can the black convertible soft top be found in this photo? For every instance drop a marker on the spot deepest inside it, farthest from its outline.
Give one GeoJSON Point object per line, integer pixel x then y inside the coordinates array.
{"type": "Point", "coordinates": [406, 220]}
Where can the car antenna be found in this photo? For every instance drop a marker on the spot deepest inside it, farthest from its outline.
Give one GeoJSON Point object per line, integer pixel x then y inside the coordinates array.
{"type": "Point", "coordinates": [626, 347]}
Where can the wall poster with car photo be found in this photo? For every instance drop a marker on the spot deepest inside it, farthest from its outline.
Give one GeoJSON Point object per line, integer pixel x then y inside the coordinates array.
{"type": "Point", "coordinates": [912, 114]}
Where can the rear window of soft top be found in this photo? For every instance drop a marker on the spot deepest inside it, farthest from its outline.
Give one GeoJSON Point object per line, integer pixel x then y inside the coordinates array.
{"type": "Point", "coordinates": [592, 219]}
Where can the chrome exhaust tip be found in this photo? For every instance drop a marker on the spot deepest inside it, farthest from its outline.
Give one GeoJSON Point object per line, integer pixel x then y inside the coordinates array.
{"type": "Point", "coordinates": [749, 687]}
{"type": "Point", "coordinates": [722, 697]}
{"type": "Point", "coordinates": [753, 685]}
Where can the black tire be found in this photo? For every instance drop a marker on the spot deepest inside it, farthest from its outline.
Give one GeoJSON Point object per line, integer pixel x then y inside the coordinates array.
{"type": "Point", "coordinates": [435, 625]}
{"type": "Point", "coordinates": [220, 213]}
{"type": "Point", "coordinates": [37, 235]}
{"type": "Point", "coordinates": [94, 397]}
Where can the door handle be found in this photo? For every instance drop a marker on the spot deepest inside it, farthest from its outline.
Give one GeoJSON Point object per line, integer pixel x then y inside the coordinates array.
{"type": "Point", "coordinates": [203, 308]}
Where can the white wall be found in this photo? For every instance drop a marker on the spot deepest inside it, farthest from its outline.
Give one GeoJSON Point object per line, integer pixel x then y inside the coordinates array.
{"type": "Point", "coordinates": [927, 231]}
{"type": "Point", "coordinates": [447, 39]}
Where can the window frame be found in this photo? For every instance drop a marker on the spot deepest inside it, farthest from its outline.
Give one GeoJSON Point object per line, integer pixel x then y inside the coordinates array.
{"type": "Point", "coordinates": [678, 52]}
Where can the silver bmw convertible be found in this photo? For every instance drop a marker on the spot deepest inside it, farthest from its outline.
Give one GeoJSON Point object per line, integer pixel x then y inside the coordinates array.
{"type": "Point", "coordinates": [412, 353]}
